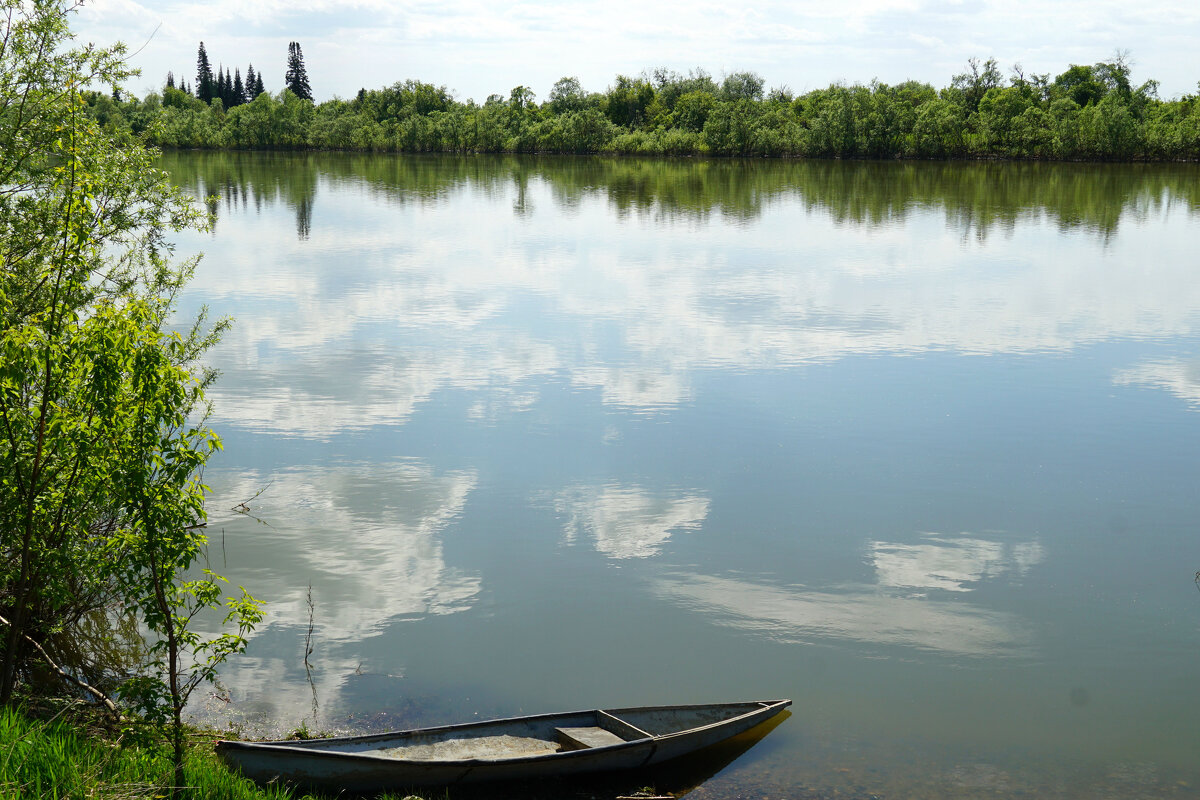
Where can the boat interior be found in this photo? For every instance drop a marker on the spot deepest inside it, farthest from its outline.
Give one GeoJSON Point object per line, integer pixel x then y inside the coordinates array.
{"type": "Point", "coordinates": [538, 735]}
{"type": "Point", "coordinates": [579, 732]}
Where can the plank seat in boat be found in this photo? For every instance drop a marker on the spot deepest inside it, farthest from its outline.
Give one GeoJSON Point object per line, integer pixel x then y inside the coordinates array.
{"type": "Point", "coordinates": [579, 738]}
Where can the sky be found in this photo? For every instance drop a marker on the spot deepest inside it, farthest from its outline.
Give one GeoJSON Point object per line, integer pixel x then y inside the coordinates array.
{"type": "Point", "coordinates": [477, 48]}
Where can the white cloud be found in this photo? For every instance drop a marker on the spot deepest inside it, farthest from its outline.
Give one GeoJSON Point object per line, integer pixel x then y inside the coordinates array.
{"type": "Point", "coordinates": [482, 48]}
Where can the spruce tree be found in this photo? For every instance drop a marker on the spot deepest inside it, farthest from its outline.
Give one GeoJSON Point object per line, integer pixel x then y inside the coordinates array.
{"type": "Point", "coordinates": [170, 80]}
{"type": "Point", "coordinates": [239, 91]}
{"type": "Point", "coordinates": [258, 85]}
{"type": "Point", "coordinates": [296, 77]}
{"type": "Point", "coordinates": [250, 84]}
{"type": "Point", "coordinates": [204, 76]}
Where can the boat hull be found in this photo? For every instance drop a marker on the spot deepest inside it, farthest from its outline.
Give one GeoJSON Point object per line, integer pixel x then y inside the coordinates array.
{"type": "Point", "coordinates": [642, 737]}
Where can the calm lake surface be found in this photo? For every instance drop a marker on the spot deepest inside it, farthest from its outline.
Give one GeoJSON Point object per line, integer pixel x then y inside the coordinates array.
{"type": "Point", "coordinates": [915, 445]}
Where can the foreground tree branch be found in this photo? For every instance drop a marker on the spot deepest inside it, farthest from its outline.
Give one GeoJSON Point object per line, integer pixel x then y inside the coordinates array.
{"type": "Point", "coordinates": [104, 699]}
{"type": "Point", "coordinates": [101, 501]}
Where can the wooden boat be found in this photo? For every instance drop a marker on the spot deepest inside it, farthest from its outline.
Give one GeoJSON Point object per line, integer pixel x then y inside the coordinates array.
{"type": "Point", "coordinates": [520, 748]}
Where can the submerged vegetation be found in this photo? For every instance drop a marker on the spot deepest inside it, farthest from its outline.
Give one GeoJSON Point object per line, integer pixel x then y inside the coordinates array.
{"type": "Point", "coordinates": [1087, 112]}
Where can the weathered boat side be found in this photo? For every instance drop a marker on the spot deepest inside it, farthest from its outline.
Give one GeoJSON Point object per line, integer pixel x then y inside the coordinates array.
{"type": "Point", "coordinates": [643, 737]}
{"type": "Point", "coordinates": [674, 745]}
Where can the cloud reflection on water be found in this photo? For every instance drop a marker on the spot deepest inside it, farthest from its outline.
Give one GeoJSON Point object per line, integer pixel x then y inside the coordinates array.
{"type": "Point", "coordinates": [628, 521]}
{"type": "Point", "coordinates": [389, 301]}
{"type": "Point", "coordinates": [369, 564]}
{"type": "Point", "coordinates": [379, 559]}
{"type": "Point", "coordinates": [319, 394]}
{"type": "Point", "coordinates": [950, 563]}
{"type": "Point", "coordinates": [885, 613]}
{"type": "Point", "coordinates": [1177, 376]}
{"type": "Point", "coordinates": [796, 614]}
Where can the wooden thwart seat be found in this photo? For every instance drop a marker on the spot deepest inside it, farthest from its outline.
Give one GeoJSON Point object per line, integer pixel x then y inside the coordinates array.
{"type": "Point", "coordinates": [579, 738]}
{"type": "Point", "coordinates": [620, 727]}
{"type": "Point", "coordinates": [610, 730]}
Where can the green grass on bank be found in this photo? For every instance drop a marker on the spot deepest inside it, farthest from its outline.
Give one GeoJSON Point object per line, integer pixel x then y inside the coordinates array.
{"type": "Point", "coordinates": [57, 760]}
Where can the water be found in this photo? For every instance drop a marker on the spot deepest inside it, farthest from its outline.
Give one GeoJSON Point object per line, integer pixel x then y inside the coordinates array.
{"type": "Point", "coordinates": [914, 445]}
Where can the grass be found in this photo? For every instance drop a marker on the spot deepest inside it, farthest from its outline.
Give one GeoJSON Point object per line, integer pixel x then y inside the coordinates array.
{"type": "Point", "coordinates": [57, 759]}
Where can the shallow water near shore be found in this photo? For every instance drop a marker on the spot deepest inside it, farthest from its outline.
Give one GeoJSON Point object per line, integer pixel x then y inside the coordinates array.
{"type": "Point", "coordinates": [914, 445]}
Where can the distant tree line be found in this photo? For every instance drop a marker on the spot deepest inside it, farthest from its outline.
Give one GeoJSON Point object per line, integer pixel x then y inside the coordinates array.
{"type": "Point", "coordinates": [231, 90]}
{"type": "Point", "coordinates": [1086, 113]}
